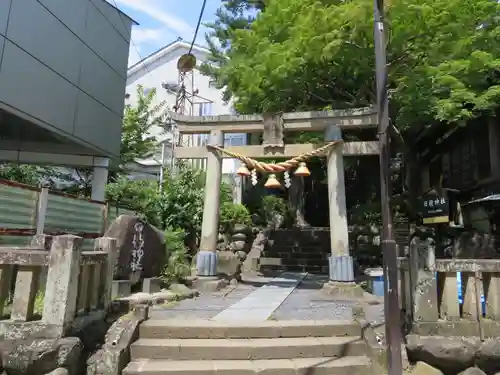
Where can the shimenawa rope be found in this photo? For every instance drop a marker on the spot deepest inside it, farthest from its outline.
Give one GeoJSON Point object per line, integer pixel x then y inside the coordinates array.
{"type": "Point", "coordinates": [278, 167]}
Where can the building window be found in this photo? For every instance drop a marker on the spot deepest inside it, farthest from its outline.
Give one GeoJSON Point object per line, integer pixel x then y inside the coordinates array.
{"type": "Point", "coordinates": [205, 109]}
{"type": "Point", "coordinates": [212, 84]}
{"type": "Point", "coordinates": [235, 140]}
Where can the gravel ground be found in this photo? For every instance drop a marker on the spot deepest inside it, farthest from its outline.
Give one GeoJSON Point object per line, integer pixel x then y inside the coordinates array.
{"type": "Point", "coordinates": [306, 302]}
{"type": "Point", "coordinates": [309, 302]}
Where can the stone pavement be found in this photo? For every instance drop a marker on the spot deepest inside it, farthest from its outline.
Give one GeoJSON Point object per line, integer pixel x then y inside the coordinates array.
{"type": "Point", "coordinates": [289, 297]}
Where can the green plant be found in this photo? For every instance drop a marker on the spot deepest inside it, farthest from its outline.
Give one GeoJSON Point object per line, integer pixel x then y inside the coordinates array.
{"type": "Point", "coordinates": [270, 206]}
{"type": "Point", "coordinates": [232, 214]}
{"type": "Point", "coordinates": [177, 266]}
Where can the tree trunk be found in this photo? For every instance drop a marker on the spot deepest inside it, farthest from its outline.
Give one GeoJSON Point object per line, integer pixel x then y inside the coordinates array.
{"type": "Point", "coordinates": [296, 202]}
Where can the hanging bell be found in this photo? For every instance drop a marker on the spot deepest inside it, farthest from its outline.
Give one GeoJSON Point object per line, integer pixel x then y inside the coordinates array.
{"type": "Point", "coordinates": [272, 182]}
{"type": "Point", "coordinates": [302, 170]}
{"type": "Point", "coordinates": [243, 171]}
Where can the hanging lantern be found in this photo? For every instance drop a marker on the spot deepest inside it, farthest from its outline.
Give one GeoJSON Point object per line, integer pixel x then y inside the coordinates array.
{"type": "Point", "coordinates": [243, 171]}
{"type": "Point", "coordinates": [272, 182]}
{"type": "Point", "coordinates": [302, 170]}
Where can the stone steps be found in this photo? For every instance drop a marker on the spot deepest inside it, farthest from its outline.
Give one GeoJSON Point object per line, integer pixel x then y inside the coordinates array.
{"type": "Point", "coordinates": [208, 329]}
{"type": "Point", "coordinates": [302, 366]}
{"type": "Point", "coordinates": [203, 347]}
{"type": "Point", "coordinates": [313, 269]}
{"type": "Point", "coordinates": [242, 349]}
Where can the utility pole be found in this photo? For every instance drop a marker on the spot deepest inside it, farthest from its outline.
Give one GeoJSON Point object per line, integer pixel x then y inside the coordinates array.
{"type": "Point", "coordinates": [389, 248]}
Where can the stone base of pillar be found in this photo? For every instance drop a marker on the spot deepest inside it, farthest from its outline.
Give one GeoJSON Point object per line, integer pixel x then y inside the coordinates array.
{"type": "Point", "coordinates": [206, 273]}
{"type": "Point", "coordinates": [206, 263]}
{"type": "Point", "coordinates": [341, 284]}
{"type": "Point", "coordinates": [349, 290]}
{"type": "Point", "coordinates": [341, 268]}
{"type": "Point", "coordinates": [209, 283]}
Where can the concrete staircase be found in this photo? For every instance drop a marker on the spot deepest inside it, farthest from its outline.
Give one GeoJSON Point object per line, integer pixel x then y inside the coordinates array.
{"type": "Point", "coordinates": [187, 347]}
{"type": "Point", "coordinates": [294, 250]}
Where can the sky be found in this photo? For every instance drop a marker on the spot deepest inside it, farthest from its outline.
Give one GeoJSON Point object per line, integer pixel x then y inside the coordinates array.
{"type": "Point", "coordinates": [163, 21]}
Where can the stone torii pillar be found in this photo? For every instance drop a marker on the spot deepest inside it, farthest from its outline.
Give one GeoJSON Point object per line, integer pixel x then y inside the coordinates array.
{"type": "Point", "coordinates": [340, 262]}
{"type": "Point", "coordinates": [206, 259]}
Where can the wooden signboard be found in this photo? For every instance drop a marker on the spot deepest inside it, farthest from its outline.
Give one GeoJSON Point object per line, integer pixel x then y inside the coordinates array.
{"type": "Point", "coordinates": [435, 209]}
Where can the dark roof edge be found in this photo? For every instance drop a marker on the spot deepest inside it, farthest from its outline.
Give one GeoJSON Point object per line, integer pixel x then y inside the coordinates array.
{"type": "Point", "coordinates": [121, 12]}
{"type": "Point", "coordinates": [140, 62]}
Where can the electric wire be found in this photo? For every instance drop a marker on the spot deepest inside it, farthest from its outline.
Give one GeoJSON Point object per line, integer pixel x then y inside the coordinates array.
{"type": "Point", "coordinates": [198, 24]}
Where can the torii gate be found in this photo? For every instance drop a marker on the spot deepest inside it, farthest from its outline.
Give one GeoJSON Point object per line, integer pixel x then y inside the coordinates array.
{"type": "Point", "coordinates": [273, 126]}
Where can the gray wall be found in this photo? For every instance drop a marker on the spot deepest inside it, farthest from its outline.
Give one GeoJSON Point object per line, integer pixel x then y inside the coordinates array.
{"type": "Point", "coordinates": [64, 62]}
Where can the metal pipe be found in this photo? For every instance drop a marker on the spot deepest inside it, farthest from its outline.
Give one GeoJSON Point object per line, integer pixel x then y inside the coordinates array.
{"type": "Point", "coordinates": [388, 244]}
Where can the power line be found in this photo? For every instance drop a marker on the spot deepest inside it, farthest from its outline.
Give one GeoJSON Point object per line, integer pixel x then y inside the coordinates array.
{"type": "Point", "coordinates": [198, 24]}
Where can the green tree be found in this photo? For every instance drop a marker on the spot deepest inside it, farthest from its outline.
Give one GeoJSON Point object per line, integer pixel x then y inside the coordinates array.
{"type": "Point", "coordinates": [316, 54]}
{"type": "Point", "coordinates": [29, 174]}
{"type": "Point", "coordinates": [231, 16]}
{"type": "Point", "coordinates": [136, 141]}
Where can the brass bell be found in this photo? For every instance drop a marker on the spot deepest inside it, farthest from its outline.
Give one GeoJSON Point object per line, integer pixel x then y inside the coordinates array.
{"type": "Point", "coordinates": [302, 170]}
{"type": "Point", "coordinates": [272, 182]}
{"type": "Point", "coordinates": [243, 171]}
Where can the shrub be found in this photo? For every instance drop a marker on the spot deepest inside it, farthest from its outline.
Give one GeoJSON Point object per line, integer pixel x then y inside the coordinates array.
{"type": "Point", "coordinates": [232, 214]}
{"type": "Point", "coordinates": [271, 205]}
{"type": "Point", "coordinates": [177, 266]}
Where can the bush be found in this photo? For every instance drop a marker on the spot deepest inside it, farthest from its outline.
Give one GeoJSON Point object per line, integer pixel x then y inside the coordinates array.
{"type": "Point", "coordinates": [271, 206]}
{"type": "Point", "coordinates": [178, 266]}
{"type": "Point", "coordinates": [232, 214]}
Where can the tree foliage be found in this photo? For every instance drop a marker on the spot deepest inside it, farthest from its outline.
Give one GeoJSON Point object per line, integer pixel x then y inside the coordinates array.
{"type": "Point", "coordinates": [137, 142]}
{"type": "Point", "coordinates": [231, 16]}
{"type": "Point", "coordinates": [443, 58]}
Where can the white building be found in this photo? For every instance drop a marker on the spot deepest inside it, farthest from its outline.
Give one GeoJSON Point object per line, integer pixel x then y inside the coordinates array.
{"type": "Point", "coordinates": [159, 71]}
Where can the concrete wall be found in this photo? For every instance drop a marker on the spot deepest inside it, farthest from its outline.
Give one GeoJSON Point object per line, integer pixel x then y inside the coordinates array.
{"type": "Point", "coordinates": [64, 63]}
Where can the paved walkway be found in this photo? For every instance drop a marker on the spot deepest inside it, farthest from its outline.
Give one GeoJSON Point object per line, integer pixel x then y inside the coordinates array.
{"type": "Point", "coordinates": [288, 297]}
{"type": "Point", "coordinates": [260, 304]}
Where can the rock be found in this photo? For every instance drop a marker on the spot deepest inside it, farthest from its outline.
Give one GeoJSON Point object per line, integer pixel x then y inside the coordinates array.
{"type": "Point", "coordinates": [243, 229]}
{"type": "Point", "coordinates": [422, 368]}
{"type": "Point", "coordinates": [125, 229]}
{"type": "Point", "coordinates": [182, 290]}
{"type": "Point", "coordinates": [164, 296]}
{"type": "Point", "coordinates": [58, 371]}
{"type": "Point", "coordinates": [238, 237]}
{"type": "Point", "coordinates": [40, 356]}
{"type": "Point", "coordinates": [140, 298]}
{"type": "Point", "coordinates": [472, 371]}
{"type": "Point", "coordinates": [228, 264]}
{"type": "Point", "coordinates": [242, 256]}
{"type": "Point", "coordinates": [449, 354]}
{"type": "Point", "coordinates": [237, 245]}
{"type": "Point", "coordinates": [488, 356]}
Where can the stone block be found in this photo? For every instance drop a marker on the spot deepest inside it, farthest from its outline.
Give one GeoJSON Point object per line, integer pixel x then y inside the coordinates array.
{"type": "Point", "coordinates": [120, 288]}
{"type": "Point", "coordinates": [343, 290]}
{"type": "Point", "coordinates": [62, 281]}
{"type": "Point", "coordinates": [152, 285]}
{"type": "Point", "coordinates": [228, 263]}
{"type": "Point", "coordinates": [141, 249]}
